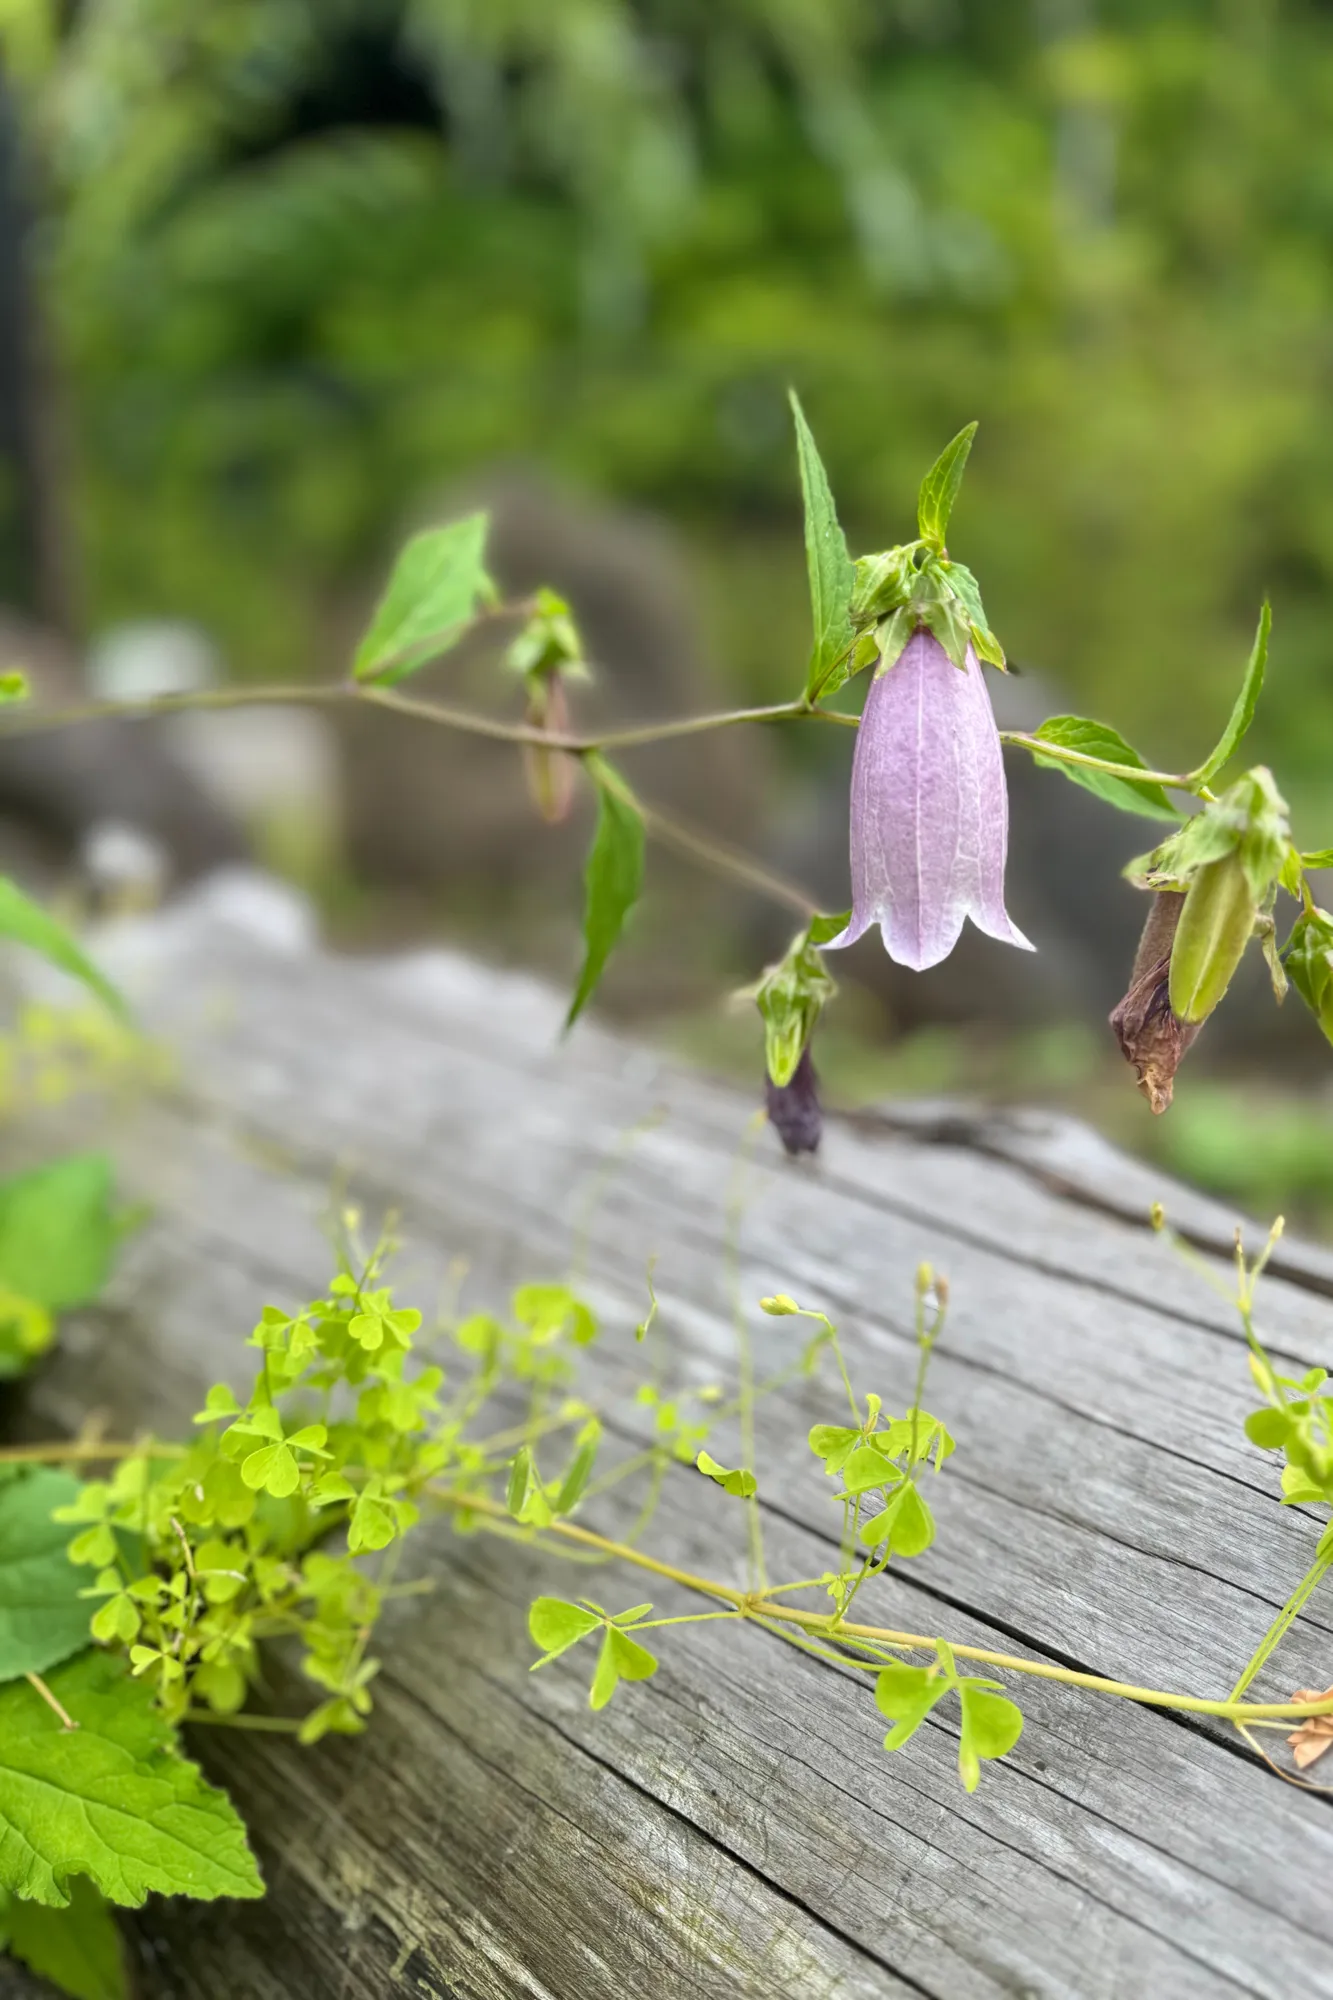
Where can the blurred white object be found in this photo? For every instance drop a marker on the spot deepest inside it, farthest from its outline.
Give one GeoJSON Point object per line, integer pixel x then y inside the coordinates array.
{"type": "Point", "coordinates": [150, 657]}
{"type": "Point", "coordinates": [276, 770]}
{"type": "Point", "coordinates": [126, 868]}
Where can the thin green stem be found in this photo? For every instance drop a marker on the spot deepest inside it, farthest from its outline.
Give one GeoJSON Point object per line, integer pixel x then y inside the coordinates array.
{"type": "Point", "coordinates": [1284, 1621]}
{"type": "Point", "coordinates": [758, 1607]}
{"type": "Point", "coordinates": [275, 1725]}
{"type": "Point", "coordinates": [1179, 781]}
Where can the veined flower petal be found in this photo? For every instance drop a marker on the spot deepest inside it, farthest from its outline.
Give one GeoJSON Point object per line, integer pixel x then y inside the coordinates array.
{"type": "Point", "coordinates": [929, 809]}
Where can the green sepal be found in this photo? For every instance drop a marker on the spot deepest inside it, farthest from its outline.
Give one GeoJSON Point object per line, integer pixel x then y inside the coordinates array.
{"type": "Point", "coordinates": [1243, 712]}
{"type": "Point", "coordinates": [939, 488]}
{"type": "Point", "coordinates": [832, 576]}
{"type": "Point", "coordinates": [1309, 964]}
{"type": "Point", "coordinates": [792, 994]}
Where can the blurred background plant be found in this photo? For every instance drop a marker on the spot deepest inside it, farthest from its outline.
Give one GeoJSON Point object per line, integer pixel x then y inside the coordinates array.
{"type": "Point", "coordinates": [281, 277]}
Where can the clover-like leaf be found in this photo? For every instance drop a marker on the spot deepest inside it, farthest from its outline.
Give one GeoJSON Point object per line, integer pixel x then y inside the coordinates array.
{"type": "Point", "coordinates": [906, 1524]}
{"type": "Point", "coordinates": [555, 1625]}
{"type": "Point", "coordinates": [992, 1724]}
{"type": "Point", "coordinates": [905, 1696]}
{"type": "Point", "coordinates": [621, 1659]}
{"type": "Point", "coordinates": [741, 1482]}
{"type": "Point", "coordinates": [868, 1468]}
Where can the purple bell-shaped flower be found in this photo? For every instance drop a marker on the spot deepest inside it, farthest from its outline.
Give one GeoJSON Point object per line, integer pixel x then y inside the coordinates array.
{"type": "Point", "coordinates": [929, 811]}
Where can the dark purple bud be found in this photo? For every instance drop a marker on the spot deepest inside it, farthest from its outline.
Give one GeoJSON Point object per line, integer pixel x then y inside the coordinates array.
{"type": "Point", "coordinates": [793, 1108]}
{"type": "Point", "coordinates": [1151, 1035]}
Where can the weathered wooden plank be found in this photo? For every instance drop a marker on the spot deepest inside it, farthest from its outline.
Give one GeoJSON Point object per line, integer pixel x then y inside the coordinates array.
{"type": "Point", "coordinates": [1115, 1846]}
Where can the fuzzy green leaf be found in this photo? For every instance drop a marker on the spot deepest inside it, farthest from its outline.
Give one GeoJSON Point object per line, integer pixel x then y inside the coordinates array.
{"type": "Point", "coordinates": [939, 488]}
{"type": "Point", "coordinates": [1095, 739]}
{"type": "Point", "coordinates": [992, 1724]}
{"type": "Point", "coordinates": [42, 1619]}
{"type": "Point", "coordinates": [431, 596]}
{"type": "Point", "coordinates": [621, 1659]}
{"type": "Point", "coordinates": [77, 1948]}
{"type": "Point", "coordinates": [112, 1799]}
{"type": "Point", "coordinates": [57, 1231]}
{"type": "Point", "coordinates": [1242, 715]}
{"type": "Point", "coordinates": [29, 924]}
{"type": "Point", "coordinates": [612, 880]}
{"type": "Point", "coordinates": [832, 573]}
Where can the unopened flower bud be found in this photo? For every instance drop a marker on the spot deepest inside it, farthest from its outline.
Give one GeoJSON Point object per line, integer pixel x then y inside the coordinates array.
{"type": "Point", "coordinates": [793, 1108]}
{"type": "Point", "coordinates": [550, 773]}
{"type": "Point", "coordinates": [1309, 962]}
{"type": "Point", "coordinates": [1216, 923]}
{"type": "Point", "coordinates": [1151, 1035]}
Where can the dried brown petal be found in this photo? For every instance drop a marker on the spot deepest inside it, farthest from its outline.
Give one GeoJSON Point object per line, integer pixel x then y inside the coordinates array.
{"type": "Point", "coordinates": [1150, 1034]}
{"type": "Point", "coordinates": [1315, 1735]}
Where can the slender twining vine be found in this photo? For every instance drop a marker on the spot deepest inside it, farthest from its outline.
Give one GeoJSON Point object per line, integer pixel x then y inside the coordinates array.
{"type": "Point", "coordinates": [140, 1600]}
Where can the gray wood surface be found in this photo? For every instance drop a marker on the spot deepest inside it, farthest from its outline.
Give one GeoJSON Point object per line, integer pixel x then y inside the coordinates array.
{"type": "Point", "coordinates": [732, 1827]}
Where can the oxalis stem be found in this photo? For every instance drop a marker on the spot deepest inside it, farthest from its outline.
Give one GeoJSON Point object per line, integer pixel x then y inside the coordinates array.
{"type": "Point", "coordinates": [1284, 1621]}
{"type": "Point", "coordinates": [759, 1605]}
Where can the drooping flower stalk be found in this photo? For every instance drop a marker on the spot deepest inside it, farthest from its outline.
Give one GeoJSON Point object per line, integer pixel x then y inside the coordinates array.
{"type": "Point", "coordinates": [929, 809]}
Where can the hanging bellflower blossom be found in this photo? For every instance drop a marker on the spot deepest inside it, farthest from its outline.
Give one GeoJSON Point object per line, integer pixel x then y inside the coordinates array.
{"type": "Point", "coordinates": [929, 809]}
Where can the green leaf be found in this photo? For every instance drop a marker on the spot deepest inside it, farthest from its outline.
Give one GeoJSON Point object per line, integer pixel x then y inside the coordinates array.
{"type": "Point", "coordinates": [742, 1483]}
{"type": "Point", "coordinates": [77, 1948]}
{"type": "Point", "coordinates": [14, 686]}
{"type": "Point", "coordinates": [1267, 1428]}
{"type": "Point", "coordinates": [57, 1231]}
{"type": "Point", "coordinates": [28, 923]}
{"type": "Point", "coordinates": [1095, 739]}
{"type": "Point", "coordinates": [868, 1468]}
{"type": "Point", "coordinates": [612, 880]}
{"type": "Point", "coordinates": [112, 1799]}
{"type": "Point", "coordinates": [579, 1471]}
{"type": "Point", "coordinates": [621, 1659]}
{"type": "Point", "coordinates": [939, 488]}
{"type": "Point", "coordinates": [907, 1524]}
{"type": "Point", "coordinates": [992, 1724]}
{"type": "Point", "coordinates": [42, 1619]}
{"type": "Point", "coordinates": [832, 573]}
{"type": "Point", "coordinates": [1322, 857]}
{"type": "Point", "coordinates": [555, 1625]}
{"type": "Point", "coordinates": [527, 1499]}
{"type": "Point", "coordinates": [834, 1443]}
{"type": "Point", "coordinates": [1242, 715]}
{"type": "Point", "coordinates": [905, 1696]}
{"type": "Point", "coordinates": [431, 596]}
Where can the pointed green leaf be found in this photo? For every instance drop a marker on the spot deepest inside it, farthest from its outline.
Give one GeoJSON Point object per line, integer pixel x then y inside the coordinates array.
{"type": "Point", "coordinates": [992, 1724]}
{"type": "Point", "coordinates": [1242, 715]}
{"type": "Point", "coordinates": [621, 1659]}
{"type": "Point", "coordinates": [905, 1696]}
{"type": "Point", "coordinates": [77, 1948]}
{"type": "Point", "coordinates": [431, 596]}
{"type": "Point", "coordinates": [1095, 739]}
{"type": "Point", "coordinates": [939, 488]}
{"type": "Point", "coordinates": [555, 1625]}
{"type": "Point", "coordinates": [42, 1619]}
{"type": "Point", "coordinates": [907, 1524]}
{"type": "Point", "coordinates": [57, 1231]}
{"type": "Point", "coordinates": [832, 573]}
{"type": "Point", "coordinates": [612, 880]}
{"type": "Point", "coordinates": [112, 1799]}
{"type": "Point", "coordinates": [29, 924]}
{"type": "Point", "coordinates": [575, 1481]}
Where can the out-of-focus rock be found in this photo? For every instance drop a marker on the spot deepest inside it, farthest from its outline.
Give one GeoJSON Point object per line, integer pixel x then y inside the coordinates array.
{"type": "Point", "coordinates": [57, 786]}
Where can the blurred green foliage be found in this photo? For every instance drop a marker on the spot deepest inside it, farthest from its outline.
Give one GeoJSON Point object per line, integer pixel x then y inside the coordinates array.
{"type": "Point", "coordinates": [307, 260]}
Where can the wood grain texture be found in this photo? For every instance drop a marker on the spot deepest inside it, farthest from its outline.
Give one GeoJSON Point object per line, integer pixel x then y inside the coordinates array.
{"type": "Point", "coordinates": [733, 1826]}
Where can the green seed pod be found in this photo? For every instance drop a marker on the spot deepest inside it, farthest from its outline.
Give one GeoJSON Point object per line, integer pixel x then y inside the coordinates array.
{"type": "Point", "coordinates": [1216, 924]}
{"type": "Point", "coordinates": [1309, 961]}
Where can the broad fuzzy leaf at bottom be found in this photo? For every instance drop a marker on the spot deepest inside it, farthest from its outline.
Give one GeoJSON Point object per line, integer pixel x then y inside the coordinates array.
{"type": "Point", "coordinates": [112, 1799]}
